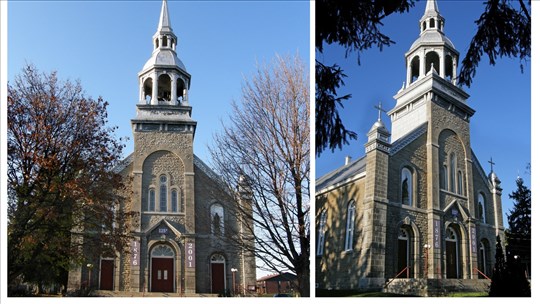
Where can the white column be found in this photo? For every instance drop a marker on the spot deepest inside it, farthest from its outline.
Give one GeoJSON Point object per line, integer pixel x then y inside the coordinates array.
{"type": "Point", "coordinates": [141, 91]}
{"type": "Point", "coordinates": [454, 69]}
{"type": "Point", "coordinates": [422, 57]}
{"type": "Point", "coordinates": [409, 72]}
{"type": "Point", "coordinates": [155, 89]}
{"type": "Point", "coordinates": [174, 95]}
{"type": "Point", "coordinates": [441, 65]}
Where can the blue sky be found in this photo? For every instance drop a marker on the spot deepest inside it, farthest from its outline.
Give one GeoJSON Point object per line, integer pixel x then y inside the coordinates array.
{"type": "Point", "coordinates": [500, 94]}
{"type": "Point", "coordinates": [106, 43]}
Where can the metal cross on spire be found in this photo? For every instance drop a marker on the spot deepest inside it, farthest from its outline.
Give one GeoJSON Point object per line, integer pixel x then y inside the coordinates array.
{"type": "Point", "coordinates": [379, 107]}
{"type": "Point", "coordinates": [491, 162]}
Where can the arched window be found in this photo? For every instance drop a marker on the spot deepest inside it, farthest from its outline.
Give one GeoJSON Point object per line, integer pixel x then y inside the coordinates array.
{"type": "Point", "coordinates": [163, 193]}
{"type": "Point", "coordinates": [180, 87]}
{"type": "Point", "coordinates": [424, 26]}
{"type": "Point", "coordinates": [147, 90]}
{"type": "Point", "coordinates": [481, 208]}
{"type": "Point", "coordinates": [164, 87]}
{"type": "Point", "coordinates": [164, 41]}
{"type": "Point", "coordinates": [151, 200]}
{"type": "Point", "coordinates": [444, 174]}
{"type": "Point", "coordinates": [431, 23]}
{"type": "Point", "coordinates": [432, 58]}
{"type": "Point", "coordinates": [460, 183]}
{"type": "Point", "coordinates": [453, 172]}
{"type": "Point", "coordinates": [406, 186]}
{"type": "Point", "coordinates": [349, 233]}
{"type": "Point", "coordinates": [322, 231]}
{"type": "Point", "coordinates": [216, 217]}
{"type": "Point", "coordinates": [157, 43]}
{"type": "Point", "coordinates": [415, 69]}
{"type": "Point", "coordinates": [174, 200]}
{"type": "Point", "coordinates": [448, 68]}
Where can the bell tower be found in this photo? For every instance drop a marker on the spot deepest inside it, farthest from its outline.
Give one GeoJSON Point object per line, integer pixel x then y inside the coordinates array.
{"type": "Point", "coordinates": [163, 169]}
{"type": "Point", "coordinates": [431, 99]}
{"type": "Point", "coordinates": [164, 79]}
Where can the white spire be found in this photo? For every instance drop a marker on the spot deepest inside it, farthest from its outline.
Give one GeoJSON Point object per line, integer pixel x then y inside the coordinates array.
{"type": "Point", "coordinates": [431, 8]}
{"type": "Point", "coordinates": [164, 22]}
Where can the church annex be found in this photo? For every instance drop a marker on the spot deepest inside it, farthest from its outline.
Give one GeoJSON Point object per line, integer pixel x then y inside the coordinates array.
{"type": "Point", "coordinates": [184, 212]}
{"type": "Point", "coordinates": [417, 214]}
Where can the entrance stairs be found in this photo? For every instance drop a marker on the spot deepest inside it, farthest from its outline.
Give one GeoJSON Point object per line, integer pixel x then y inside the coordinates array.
{"type": "Point", "coordinates": [436, 287]}
{"type": "Point", "coordinates": [108, 293]}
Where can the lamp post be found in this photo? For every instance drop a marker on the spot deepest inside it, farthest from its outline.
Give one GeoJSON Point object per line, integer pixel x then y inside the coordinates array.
{"type": "Point", "coordinates": [426, 259]}
{"type": "Point", "coordinates": [89, 266]}
{"type": "Point", "coordinates": [234, 270]}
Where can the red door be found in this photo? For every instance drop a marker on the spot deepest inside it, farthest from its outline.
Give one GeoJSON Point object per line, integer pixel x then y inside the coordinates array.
{"type": "Point", "coordinates": [107, 274]}
{"type": "Point", "coordinates": [218, 277]}
{"type": "Point", "coordinates": [162, 275]}
{"type": "Point", "coordinates": [451, 260]}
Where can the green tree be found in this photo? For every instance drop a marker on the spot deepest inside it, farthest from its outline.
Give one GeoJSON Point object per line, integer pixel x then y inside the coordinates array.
{"type": "Point", "coordinates": [265, 150]}
{"type": "Point", "coordinates": [518, 234]}
{"type": "Point", "coordinates": [62, 191]}
{"type": "Point", "coordinates": [504, 29]}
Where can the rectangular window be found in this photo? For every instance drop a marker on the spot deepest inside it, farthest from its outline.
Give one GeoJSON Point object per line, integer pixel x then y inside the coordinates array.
{"type": "Point", "coordinates": [159, 274]}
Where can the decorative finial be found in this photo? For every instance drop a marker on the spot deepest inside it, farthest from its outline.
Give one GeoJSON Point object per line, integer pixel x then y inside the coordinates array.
{"type": "Point", "coordinates": [379, 107]}
{"type": "Point", "coordinates": [491, 162]}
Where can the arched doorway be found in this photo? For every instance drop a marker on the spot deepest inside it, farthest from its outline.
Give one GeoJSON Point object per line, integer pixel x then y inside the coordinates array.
{"type": "Point", "coordinates": [452, 254]}
{"type": "Point", "coordinates": [162, 271]}
{"type": "Point", "coordinates": [482, 260]}
{"type": "Point", "coordinates": [403, 252]}
{"type": "Point", "coordinates": [217, 270]}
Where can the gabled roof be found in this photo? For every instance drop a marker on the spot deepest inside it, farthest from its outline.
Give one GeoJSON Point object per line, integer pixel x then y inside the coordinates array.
{"type": "Point", "coordinates": [345, 173]}
{"type": "Point", "coordinates": [408, 138]}
{"type": "Point", "coordinates": [341, 174]}
{"type": "Point", "coordinates": [285, 276]}
{"type": "Point", "coordinates": [478, 166]}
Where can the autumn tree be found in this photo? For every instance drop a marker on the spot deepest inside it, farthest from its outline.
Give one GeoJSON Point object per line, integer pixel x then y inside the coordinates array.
{"type": "Point", "coordinates": [264, 149]}
{"type": "Point", "coordinates": [62, 191]}
{"type": "Point", "coordinates": [503, 30]}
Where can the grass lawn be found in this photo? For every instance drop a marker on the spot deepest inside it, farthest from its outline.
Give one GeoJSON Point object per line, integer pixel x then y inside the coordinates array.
{"type": "Point", "coordinates": [355, 293]}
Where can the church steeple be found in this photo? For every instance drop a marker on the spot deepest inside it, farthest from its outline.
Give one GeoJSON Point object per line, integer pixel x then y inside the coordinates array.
{"type": "Point", "coordinates": [164, 36]}
{"type": "Point", "coordinates": [164, 22]}
{"type": "Point", "coordinates": [432, 19]}
{"type": "Point", "coordinates": [431, 63]}
{"type": "Point", "coordinates": [164, 78]}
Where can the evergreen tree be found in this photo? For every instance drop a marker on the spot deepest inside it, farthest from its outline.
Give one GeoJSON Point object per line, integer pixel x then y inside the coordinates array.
{"type": "Point", "coordinates": [509, 278]}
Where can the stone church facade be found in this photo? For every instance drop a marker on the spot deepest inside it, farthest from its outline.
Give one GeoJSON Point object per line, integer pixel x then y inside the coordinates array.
{"type": "Point", "coordinates": [184, 211]}
{"type": "Point", "coordinates": [418, 206]}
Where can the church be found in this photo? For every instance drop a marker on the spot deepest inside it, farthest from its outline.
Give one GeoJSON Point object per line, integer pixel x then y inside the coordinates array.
{"type": "Point", "coordinates": [417, 214]}
{"type": "Point", "coordinates": [184, 212]}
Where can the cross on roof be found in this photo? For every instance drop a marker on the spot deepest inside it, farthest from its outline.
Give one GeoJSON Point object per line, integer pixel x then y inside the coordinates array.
{"type": "Point", "coordinates": [379, 107]}
{"type": "Point", "coordinates": [491, 162]}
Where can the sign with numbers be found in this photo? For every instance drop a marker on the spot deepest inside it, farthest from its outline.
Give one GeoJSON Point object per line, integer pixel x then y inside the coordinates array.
{"type": "Point", "coordinates": [437, 234]}
{"type": "Point", "coordinates": [135, 253]}
{"type": "Point", "coordinates": [190, 255]}
{"type": "Point", "coordinates": [473, 239]}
